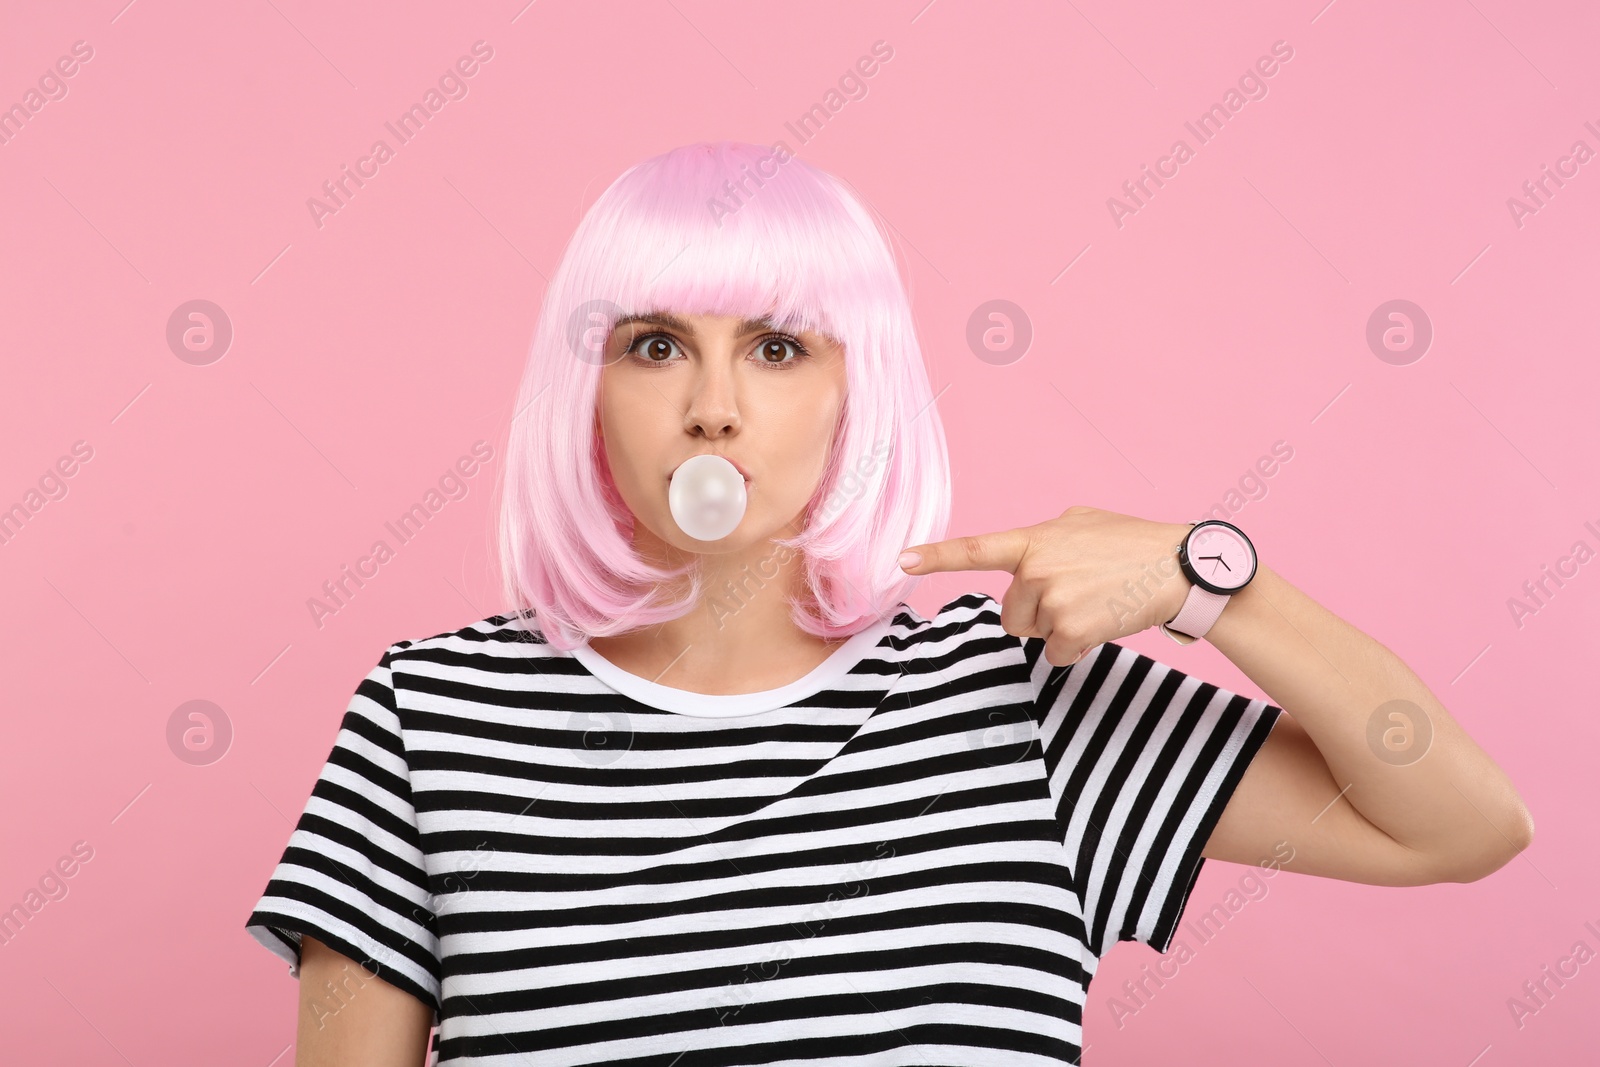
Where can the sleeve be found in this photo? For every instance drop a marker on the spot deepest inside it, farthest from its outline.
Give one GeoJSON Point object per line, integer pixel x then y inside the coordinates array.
{"type": "Point", "coordinates": [352, 875]}
{"type": "Point", "coordinates": [1142, 759]}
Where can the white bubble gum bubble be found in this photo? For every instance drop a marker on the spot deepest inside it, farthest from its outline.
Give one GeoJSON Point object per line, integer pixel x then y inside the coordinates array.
{"type": "Point", "coordinates": [707, 497]}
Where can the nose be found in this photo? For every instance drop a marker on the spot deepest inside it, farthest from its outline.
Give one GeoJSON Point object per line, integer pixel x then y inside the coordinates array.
{"type": "Point", "coordinates": [713, 409]}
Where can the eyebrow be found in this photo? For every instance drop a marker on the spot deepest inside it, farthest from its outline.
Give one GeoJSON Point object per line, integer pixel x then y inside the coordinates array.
{"type": "Point", "coordinates": [671, 321]}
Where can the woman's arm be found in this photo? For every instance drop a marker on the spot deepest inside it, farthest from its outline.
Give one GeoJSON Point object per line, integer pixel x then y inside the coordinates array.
{"type": "Point", "coordinates": [351, 1018]}
{"type": "Point", "coordinates": [1372, 780]}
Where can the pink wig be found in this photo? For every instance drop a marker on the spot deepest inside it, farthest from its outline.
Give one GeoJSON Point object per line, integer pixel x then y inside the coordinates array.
{"type": "Point", "coordinates": [721, 229]}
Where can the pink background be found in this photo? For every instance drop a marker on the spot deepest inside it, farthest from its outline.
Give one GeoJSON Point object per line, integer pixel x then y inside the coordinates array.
{"type": "Point", "coordinates": [1230, 312]}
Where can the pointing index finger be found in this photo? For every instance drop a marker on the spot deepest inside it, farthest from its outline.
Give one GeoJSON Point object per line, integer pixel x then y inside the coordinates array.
{"type": "Point", "coordinates": [1000, 551]}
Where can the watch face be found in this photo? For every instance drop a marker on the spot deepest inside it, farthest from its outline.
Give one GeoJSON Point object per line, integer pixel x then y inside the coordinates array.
{"type": "Point", "coordinates": [1221, 556]}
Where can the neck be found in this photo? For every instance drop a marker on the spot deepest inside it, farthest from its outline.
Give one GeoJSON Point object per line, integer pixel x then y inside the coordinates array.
{"type": "Point", "coordinates": [738, 638]}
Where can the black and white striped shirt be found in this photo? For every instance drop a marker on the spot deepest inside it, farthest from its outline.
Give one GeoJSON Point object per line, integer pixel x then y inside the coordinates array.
{"type": "Point", "coordinates": [916, 854]}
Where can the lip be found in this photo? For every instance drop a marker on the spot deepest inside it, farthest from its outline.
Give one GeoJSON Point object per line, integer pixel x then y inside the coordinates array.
{"type": "Point", "coordinates": [736, 465]}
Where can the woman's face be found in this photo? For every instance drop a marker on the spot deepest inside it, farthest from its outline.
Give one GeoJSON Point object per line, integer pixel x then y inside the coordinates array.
{"type": "Point", "coordinates": [679, 386]}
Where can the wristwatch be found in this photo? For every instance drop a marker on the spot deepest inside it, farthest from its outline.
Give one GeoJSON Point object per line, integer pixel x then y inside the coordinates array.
{"type": "Point", "coordinates": [1219, 560]}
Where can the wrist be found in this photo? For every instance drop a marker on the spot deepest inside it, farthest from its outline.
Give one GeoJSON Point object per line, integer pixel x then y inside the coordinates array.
{"type": "Point", "coordinates": [1176, 588]}
{"type": "Point", "coordinates": [1217, 561]}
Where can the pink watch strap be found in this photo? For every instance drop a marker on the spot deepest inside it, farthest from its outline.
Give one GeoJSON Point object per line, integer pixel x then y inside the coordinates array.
{"type": "Point", "coordinates": [1201, 609]}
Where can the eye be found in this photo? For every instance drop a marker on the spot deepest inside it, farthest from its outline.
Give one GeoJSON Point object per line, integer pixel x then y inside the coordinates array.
{"type": "Point", "coordinates": [774, 346]}
{"type": "Point", "coordinates": [657, 349]}
{"type": "Point", "coordinates": [650, 346]}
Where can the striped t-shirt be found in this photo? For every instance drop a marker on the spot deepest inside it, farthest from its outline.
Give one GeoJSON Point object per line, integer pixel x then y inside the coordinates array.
{"type": "Point", "coordinates": [915, 854]}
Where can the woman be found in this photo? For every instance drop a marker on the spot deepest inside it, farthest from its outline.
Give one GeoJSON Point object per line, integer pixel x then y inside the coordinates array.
{"type": "Point", "coordinates": [735, 801]}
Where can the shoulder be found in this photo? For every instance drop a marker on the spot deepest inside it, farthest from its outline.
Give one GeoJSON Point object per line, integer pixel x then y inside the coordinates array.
{"type": "Point", "coordinates": [504, 639]}
{"type": "Point", "coordinates": [969, 617]}
{"type": "Point", "coordinates": [974, 620]}
{"type": "Point", "coordinates": [970, 612]}
{"type": "Point", "coordinates": [971, 622]}
{"type": "Point", "coordinates": [962, 630]}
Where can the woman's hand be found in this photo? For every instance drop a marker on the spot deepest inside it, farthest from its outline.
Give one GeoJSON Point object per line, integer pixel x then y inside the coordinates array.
{"type": "Point", "coordinates": [1081, 579]}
